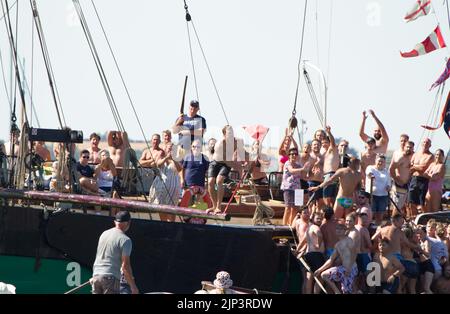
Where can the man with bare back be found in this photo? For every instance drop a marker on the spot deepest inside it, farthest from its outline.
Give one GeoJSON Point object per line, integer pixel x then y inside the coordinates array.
{"type": "Point", "coordinates": [400, 172]}
{"type": "Point", "coordinates": [341, 266]}
{"type": "Point", "coordinates": [314, 251]}
{"type": "Point", "coordinates": [379, 133]}
{"type": "Point", "coordinates": [350, 180]}
{"type": "Point", "coordinates": [330, 166]}
{"type": "Point", "coordinates": [118, 144]}
{"type": "Point", "coordinates": [419, 183]}
{"type": "Point", "coordinates": [396, 236]}
{"type": "Point", "coordinates": [328, 229]}
{"type": "Point", "coordinates": [363, 258]}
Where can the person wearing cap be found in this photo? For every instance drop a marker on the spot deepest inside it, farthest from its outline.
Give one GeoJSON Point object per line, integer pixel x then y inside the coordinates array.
{"type": "Point", "coordinates": [190, 126]}
{"type": "Point", "coordinates": [113, 255]}
{"type": "Point", "coordinates": [379, 133]}
{"type": "Point", "coordinates": [94, 150]}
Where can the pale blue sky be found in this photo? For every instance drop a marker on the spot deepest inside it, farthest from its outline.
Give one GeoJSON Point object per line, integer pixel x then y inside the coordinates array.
{"type": "Point", "coordinates": [252, 47]}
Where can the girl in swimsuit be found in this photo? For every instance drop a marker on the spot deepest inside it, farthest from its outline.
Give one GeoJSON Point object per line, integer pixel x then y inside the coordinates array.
{"type": "Point", "coordinates": [436, 173]}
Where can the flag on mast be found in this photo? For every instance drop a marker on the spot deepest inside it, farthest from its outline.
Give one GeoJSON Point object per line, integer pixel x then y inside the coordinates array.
{"type": "Point", "coordinates": [432, 42]}
{"type": "Point", "coordinates": [420, 8]}
{"type": "Point", "coordinates": [444, 76]}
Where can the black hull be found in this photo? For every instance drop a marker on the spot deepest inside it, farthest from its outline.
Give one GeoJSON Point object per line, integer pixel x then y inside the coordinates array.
{"type": "Point", "coordinates": [172, 257]}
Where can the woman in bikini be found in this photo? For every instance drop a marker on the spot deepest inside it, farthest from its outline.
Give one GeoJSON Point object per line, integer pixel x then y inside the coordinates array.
{"type": "Point", "coordinates": [435, 173]}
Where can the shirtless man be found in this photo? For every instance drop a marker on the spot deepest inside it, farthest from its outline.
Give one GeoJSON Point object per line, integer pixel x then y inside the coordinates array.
{"type": "Point", "coordinates": [328, 229]}
{"type": "Point", "coordinates": [400, 172]}
{"type": "Point", "coordinates": [391, 268]}
{"type": "Point", "coordinates": [228, 153]}
{"type": "Point", "coordinates": [368, 158]}
{"type": "Point", "coordinates": [42, 151]}
{"type": "Point", "coordinates": [118, 144]}
{"type": "Point", "coordinates": [94, 150]}
{"type": "Point", "coordinates": [344, 158]}
{"type": "Point", "coordinates": [151, 158]}
{"type": "Point", "coordinates": [300, 224]}
{"type": "Point", "coordinates": [314, 251]}
{"type": "Point", "coordinates": [315, 175]}
{"type": "Point", "coordinates": [419, 183]}
{"type": "Point", "coordinates": [396, 236]}
{"type": "Point", "coordinates": [352, 232]}
{"type": "Point", "coordinates": [363, 258]}
{"type": "Point", "coordinates": [350, 180]}
{"type": "Point", "coordinates": [330, 165]}
{"type": "Point", "coordinates": [379, 133]}
{"type": "Point", "coordinates": [342, 262]}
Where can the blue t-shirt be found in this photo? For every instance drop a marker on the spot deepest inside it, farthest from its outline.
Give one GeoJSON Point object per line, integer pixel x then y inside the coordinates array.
{"type": "Point", "coordinates": [195, 170]}
{"type": "Point", "coordinates": [86, 171]}
{"type": "Point", "coordinates": [195, 123]}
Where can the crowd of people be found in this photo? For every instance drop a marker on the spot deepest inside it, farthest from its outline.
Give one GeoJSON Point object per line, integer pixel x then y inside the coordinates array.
{"type": "Point", "coordinates": [356, 231]}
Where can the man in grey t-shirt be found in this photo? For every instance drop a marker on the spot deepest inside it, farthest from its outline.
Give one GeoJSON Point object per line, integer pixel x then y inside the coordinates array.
{"type": "Point", "coordinates": [113, 255]}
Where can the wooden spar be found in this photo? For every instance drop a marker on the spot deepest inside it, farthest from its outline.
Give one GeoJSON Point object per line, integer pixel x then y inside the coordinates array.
{"type": "Point", "coordinates": [136, 206]}
{"type": "Point", "coordinates": [184, 95]}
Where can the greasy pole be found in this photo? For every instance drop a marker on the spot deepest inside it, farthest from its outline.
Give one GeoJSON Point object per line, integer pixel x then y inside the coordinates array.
{"type": "Point", "coordinates": [134, 206]}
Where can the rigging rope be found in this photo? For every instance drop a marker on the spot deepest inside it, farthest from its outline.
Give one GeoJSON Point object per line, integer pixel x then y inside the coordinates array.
{"type": "Point", "coordinates": [188, 19]}
{"type": "Point", "coordinates": [434, 113]}
{"type": "Point", "coordinates": [121, 76]}
{"type": "Point", "coordinates": [14, 53]}
{"type": "Point", "coordinates": [204, 59]}
{"type": "Point", "coordinates": [48, 66]}
{"type": "Point", "coordinates": [314, 98]}
{"type": "Point", "coordinates": [294, 111]}
{"type": "Point", "coordinates": [329, 40]}
{"type": "Point", "coordinates": [130, 154]}
{"type": "Point", "coordinates": [99, 66]}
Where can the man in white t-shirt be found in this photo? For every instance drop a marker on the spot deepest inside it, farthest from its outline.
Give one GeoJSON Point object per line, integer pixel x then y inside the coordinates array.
{"type": "Point", "coordinates": [378, 183]}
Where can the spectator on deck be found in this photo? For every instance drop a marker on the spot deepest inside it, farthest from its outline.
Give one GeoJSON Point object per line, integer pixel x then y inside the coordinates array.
{"type": "Point", "coordinates": [118, 144]}
{"type": "Point", "coordinates": [259, 165]}
{"type": "Point", "coordinates": [189, 127]}
{"type": "Point", "coordinates": [86, 172]}
{"type": "Point", "coordinates": [193, 174]}
{"type": "Point", "coordinates": [378, 182]}
{"type": "Point", "coordinates": [436, 174]}
{"type": "Point", "coordinates": [94, 150]}
{"type": "Point", "coordinates": [165, 189]}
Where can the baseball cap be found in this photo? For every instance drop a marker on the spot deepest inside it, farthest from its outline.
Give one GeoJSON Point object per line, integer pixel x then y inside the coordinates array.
{"type": "Point", "coordinates": [123, 216]}
{"type": "Point", "coordinates": [194, 103]}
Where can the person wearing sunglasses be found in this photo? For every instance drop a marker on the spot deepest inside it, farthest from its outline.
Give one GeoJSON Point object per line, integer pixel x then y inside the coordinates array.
{"type": "Point", "coordinates": [292, 171]}
{"type": "Point", "coordinates": [86, 179]}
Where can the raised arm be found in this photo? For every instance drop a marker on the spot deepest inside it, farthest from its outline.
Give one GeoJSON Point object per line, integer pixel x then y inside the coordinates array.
{"type": "Point", "coordinates": [333, 178]}
{"type": "Point", "coordinates": [381, 126]}
{"type": "Point", "coordinates": [125, 142]}
{"type": "Point", "coordinates": [331, 137]}
{"type": "Point", "coordinates": [363, 135]}
{"type": "Point", "coordinates": [109, 137]}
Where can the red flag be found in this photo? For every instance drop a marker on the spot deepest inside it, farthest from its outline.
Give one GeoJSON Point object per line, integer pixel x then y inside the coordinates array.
{"type": "Point", "coordinates": [443, 76]}
{"type": "Point", "coordinates": [420, 8]}
{"type": "Point", "coordinates": [432, 42]}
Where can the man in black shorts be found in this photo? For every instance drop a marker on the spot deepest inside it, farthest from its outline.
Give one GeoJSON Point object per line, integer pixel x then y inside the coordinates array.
{"type": "Point", "coordinates": [227, 153]}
